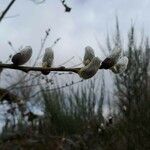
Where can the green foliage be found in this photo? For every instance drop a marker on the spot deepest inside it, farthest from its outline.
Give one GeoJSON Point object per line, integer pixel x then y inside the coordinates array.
{"type": "Point", "coordinates": [133, 118]}
{"type": "Point", "coordinates": [72, 113]}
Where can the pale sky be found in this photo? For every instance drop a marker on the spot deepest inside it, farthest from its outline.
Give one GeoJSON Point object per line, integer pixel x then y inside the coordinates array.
{"type": "Point", "coordinates": [88, 20]}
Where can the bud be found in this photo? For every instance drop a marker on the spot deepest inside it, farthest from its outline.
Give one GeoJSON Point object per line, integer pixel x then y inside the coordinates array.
{"type": "Point", "coordinates": [23, 56]}
{"type": "Point", "coordinates": [91, 69]}
{"type": "Point", "coordinates": [47, 60]}
{"type": "Point", "coordinates": [121, 65]}
{"type": "Point", "coordinates": [89, 55]}
{"type": "Point", "coordinates": [112, 59]}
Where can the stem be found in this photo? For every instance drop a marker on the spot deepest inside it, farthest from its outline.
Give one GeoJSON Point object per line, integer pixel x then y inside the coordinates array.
{"type": "Point", "coordinates": [28, 68]}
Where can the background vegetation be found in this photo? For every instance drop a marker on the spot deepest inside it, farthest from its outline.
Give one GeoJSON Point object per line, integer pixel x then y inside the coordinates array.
{"type": "Point", "coordinates": [73, 117]}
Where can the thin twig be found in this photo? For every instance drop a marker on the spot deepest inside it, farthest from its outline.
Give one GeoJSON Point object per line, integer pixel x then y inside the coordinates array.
{"type": "Point", "coordinates": [47, 32]}
{"type": "Point", "coordinates": [56, 88]}
{"type": "Point", "coordinates": [6, 10]}
{"type": "Point", "coordinates": [67, 8]}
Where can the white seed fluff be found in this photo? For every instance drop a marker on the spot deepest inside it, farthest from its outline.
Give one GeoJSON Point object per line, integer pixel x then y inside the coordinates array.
{"type": "Point", "coordinates": [89, 55]}
{"type": "Point", "coordinates": [91, 69]}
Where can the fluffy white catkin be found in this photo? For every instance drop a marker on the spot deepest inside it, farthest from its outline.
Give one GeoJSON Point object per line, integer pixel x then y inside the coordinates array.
{"type": "Point", "coordinates": [115, 54]}
{"type": "Point", "coordinates": [112, 59]}
{"type": "Point", "coordinates": [89, 55]}
{"type": "Point", "coordinates": [23, 56]}
{"type": "Point", "coordinates": [91, 69]}
{"type": "Point", "coordinates": [121, 65]}
{"type": "Point", "coordinates": [48, 58]}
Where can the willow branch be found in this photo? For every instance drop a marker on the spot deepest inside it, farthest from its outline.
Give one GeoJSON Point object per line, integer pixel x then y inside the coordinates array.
{"type": "Point", "coordinates": [28, 68]}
